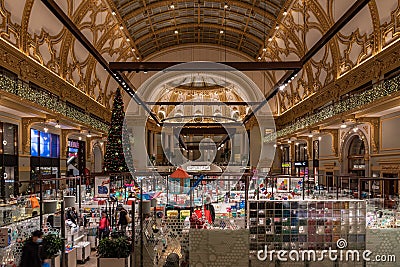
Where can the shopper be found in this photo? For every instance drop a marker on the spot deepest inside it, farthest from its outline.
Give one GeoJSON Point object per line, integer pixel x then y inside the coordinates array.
{"type": "Point", "coordinates": [209, 210]}
{"type": "Point", "coordinates": [72, 216]}
{"type": "Point", "coordinates": [123, 218]}
{"type": "Point", "coordinates": [104, 226]}
{"type": "Point", "coordinates": [32, 253]}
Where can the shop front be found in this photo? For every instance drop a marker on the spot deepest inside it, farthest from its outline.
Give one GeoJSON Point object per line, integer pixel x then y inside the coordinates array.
{"type": "Point", "coordinates": [45, 154]}
{"type": "Point", "coordinates": [76, 160]}
{"type": "Point", "coordinates": [9, 159]}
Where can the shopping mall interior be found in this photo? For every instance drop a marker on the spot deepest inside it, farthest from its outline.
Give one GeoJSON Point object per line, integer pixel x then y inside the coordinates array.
{"type": "Point", "coordinates": [199, 133]}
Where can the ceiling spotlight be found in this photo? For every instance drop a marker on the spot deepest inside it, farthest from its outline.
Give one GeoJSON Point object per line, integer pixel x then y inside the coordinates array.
{"type": "Point", "coordinates": [259, 58]}
{"type": "Point", "coordinates": [310, 135]}
{"type": "Point", "coordinates": [89, 135]}
{"type": "Point", "coordinates": [277, 27]}
{"type": "Point", "coordinates": [343, 125]}
{"type": "Point", "coordinates": [269, 39]}
{"type": "Point", "coordinates": [319, 138]}
{"type": "Point", "coordinates": [121, 27]}
{"type": "Point", "coordinates": [58, 125]}
{"type": "Point", "coordinates": [128, 40]}
{"type": "Point", "coordinates": [80, 138]}
{"type": "Point", "coordinates": [176, 32]}
{"type": "Point", "coordinates": [138, 58]}
{"type": "Point", "coordinates": [221, 31]}
{"type": "Point", "coordinates": [145, 71]}
{"type": "Point", "coordinates": [282, 87]}
{"type": "Point", "coordinates": [226, 5]}
{"type": "Point", "coordinates": [172, 6]}
{"type": "Point", "coordinates": [113, 13]}
{"type": "Point", "coordinates": [284, 13]}
{"type": "Point", "coordinates": [289, 141]}
{"type": "Point", "coordinates": [264, 49]}
{"type": "Point", "coordinates": [45, 129]}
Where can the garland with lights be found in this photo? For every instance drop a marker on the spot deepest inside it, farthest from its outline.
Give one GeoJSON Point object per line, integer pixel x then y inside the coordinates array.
{"type": "Point", "coordinates": [115, 160]}
{"type": "Point", "coordinates": [356, 101]}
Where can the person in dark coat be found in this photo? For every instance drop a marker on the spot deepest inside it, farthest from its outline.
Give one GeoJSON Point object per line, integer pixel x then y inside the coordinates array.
{"type": "Point", "coordinates": [122, 221]}
{"type": "Point", "coordinates": [32, 252]}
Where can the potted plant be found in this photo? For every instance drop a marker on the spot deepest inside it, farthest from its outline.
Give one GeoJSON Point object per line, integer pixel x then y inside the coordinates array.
{"type": "Point", "coordinates": [52, 246]}
{"type": "Point", "coordinates": [114, 252]}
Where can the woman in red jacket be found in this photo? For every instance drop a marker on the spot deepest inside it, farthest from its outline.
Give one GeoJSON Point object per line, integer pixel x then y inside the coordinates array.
{"type": "Point", "coordinates": [104, 226]}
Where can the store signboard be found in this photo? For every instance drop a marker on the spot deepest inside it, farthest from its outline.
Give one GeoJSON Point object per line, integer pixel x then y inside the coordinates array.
{"type": "Point", "coordinates": [199, 168]}
{"type": "Point", "coordinates": [286, 165]}
{"type": "Point", "coordinates": [300, 163]}
{"type": "Point", "coordinates": [102, 186]}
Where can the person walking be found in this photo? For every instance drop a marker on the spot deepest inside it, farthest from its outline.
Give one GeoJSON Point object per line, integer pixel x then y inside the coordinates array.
{"type": "Point", "coordinates": [32, 252]}
{"type": "Point", "coordinates": [123, 218]}
{"type": "Point", "coordinates": [104, 226]}
{"type": "Point", "coordinates": [209, 210]}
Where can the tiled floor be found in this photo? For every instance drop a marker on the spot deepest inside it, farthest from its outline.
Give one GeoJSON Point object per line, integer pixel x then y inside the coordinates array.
{"type": "Point", "coordinates": [92, 262]}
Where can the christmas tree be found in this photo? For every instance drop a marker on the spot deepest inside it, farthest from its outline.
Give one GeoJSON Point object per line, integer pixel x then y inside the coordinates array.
{"type": "Point", "coordinates": [115, 160]}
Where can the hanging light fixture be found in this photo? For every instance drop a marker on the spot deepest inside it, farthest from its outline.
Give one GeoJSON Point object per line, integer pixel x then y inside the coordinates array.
{"type": "Point", "coordinates": [89, 134]}
{"type": "Point", "coordinates": [343, 125]}
{"type": "Point", "coordinates": [58, 125]}
{"type": "Point", "coordinates": [45, 129]}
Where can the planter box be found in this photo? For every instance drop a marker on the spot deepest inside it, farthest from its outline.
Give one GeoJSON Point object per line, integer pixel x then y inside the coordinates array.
{"type": "Point", "coordinates": [54, 262]}
{"type": "Point", "coordinates": [114, 262]}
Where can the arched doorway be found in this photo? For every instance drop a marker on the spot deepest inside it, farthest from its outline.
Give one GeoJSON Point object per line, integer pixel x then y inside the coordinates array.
{"type": "Point", "coordinates": [356, 156]}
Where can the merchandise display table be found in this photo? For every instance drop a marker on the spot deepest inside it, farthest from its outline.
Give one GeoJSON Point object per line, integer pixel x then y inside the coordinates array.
{"type": "Point", "coordinates": [83, 251]}
{"type": "Point", "coordinates": [71, 258]}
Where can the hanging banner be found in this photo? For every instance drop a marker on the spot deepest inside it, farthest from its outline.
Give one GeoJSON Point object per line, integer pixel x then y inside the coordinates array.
{"type": "Point", "coordinates": [102, 186]}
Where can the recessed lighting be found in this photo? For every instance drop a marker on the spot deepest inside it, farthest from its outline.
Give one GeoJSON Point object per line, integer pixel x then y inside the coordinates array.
{"type": "Point", "coordinates": [176, 32]}
{"type": "Point", "coordinates": [264, 49]}
{"type": "Point", "coordinates": [284, 13]}
{"type": "Point", "coordinates": [113, 13]}
{"type": "Point", "coordinates": [121, 27]}
{"type": "Point", "coordinates": [221, 31]}
{"type": "Point", "coordinates": [269, 39]}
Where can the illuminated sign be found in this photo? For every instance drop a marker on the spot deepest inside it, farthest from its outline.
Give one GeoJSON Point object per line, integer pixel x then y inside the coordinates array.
{"type": "Point", "coordinates": [300, 163]}
{"type": "Point", "coordinates": [199, 168]}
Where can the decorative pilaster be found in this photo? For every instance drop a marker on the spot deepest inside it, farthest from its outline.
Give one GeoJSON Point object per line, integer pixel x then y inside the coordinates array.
{"type": "Point", "coordinates": [374, 122]}
{"type": "Point", "coordinates": [26, 132]}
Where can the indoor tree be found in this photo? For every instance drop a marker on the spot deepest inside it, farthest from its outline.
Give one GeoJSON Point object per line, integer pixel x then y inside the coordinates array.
{"type": "Point", "coordinates": [115, 160]}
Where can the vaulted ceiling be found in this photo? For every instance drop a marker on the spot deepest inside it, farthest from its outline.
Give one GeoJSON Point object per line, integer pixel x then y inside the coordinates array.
{"type": "Point", "coordinates": [241, 25]}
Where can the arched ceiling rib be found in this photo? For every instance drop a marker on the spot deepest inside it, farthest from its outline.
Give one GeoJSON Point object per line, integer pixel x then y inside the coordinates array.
{"type": "Point", "coordinates": [245, 24]}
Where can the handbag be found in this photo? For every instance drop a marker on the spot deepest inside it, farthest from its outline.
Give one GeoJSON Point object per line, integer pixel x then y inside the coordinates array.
{"type": "Point", "coordinates": [128, 219]}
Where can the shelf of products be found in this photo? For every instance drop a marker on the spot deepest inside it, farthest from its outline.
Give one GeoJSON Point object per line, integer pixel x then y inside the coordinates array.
{"type": "Point", "coordinates": [307, 224]}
